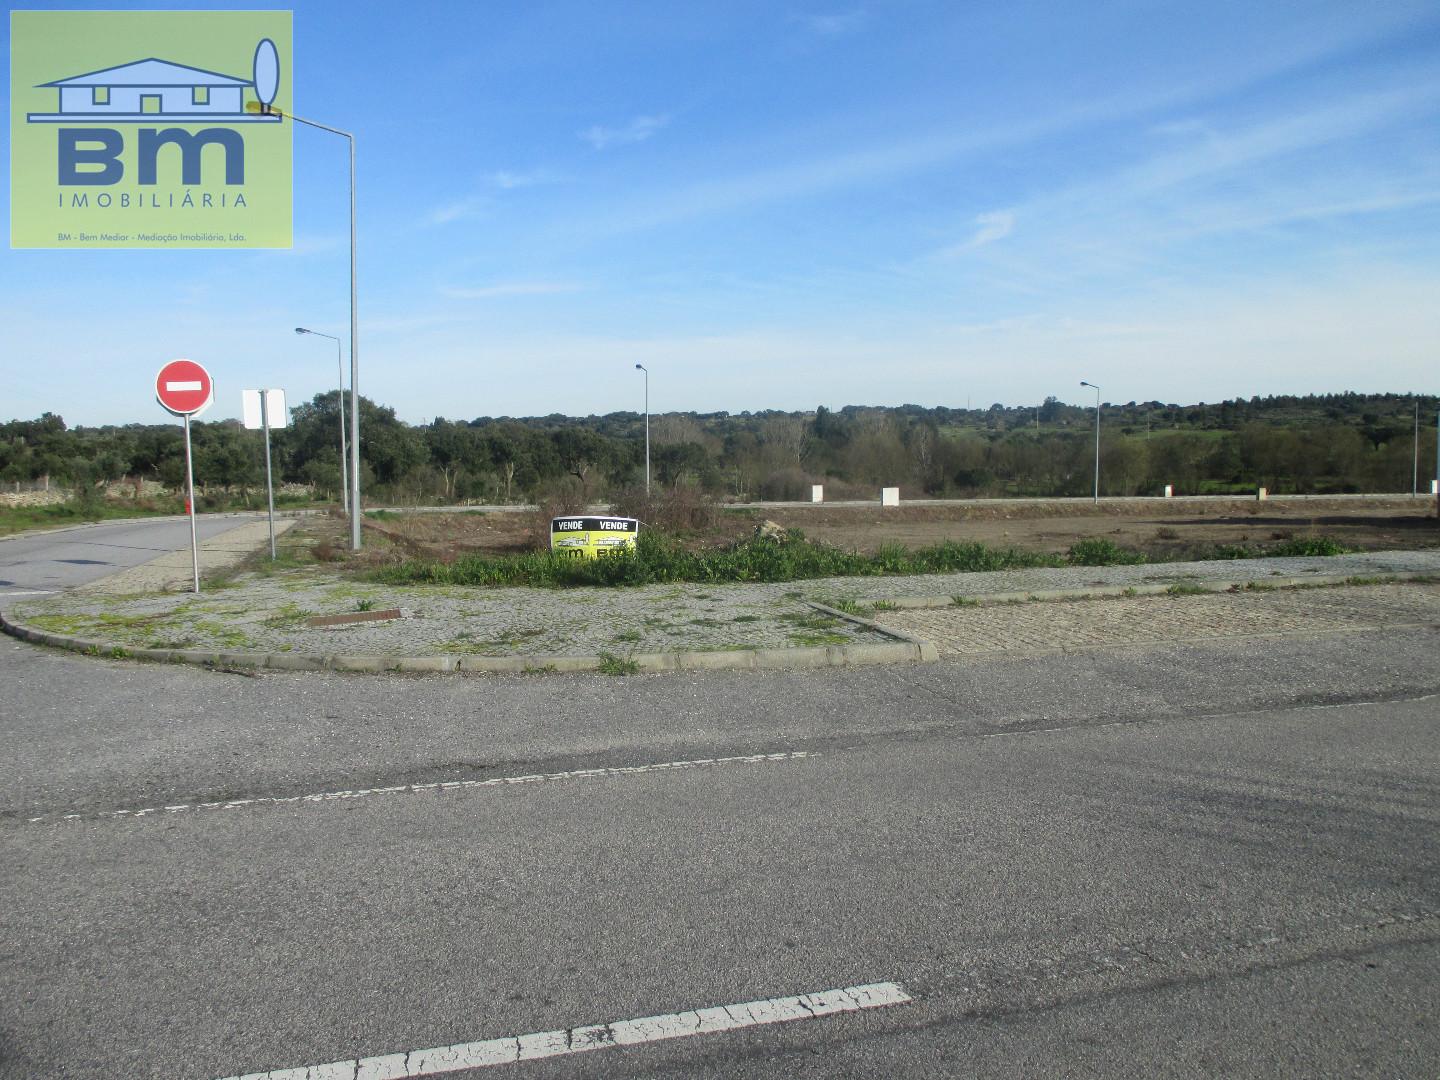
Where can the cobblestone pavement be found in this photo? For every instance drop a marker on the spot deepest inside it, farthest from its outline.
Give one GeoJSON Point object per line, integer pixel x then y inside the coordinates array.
{"type": "Point", "coordinates": [1223, 571]}
{"type": "Point", "coordinates": [1061, 625]}
{"type": "Point", "coordinates": [269, 612]}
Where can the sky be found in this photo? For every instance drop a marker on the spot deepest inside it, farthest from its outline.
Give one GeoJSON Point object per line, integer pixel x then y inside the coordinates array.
{"type": "Point", "coordinates": [779, 205]}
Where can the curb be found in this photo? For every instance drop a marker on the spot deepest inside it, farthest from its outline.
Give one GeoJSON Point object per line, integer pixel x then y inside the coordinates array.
{"type": "Point", "coordinates": [927, 650]}
{"type": "Point", "coordinates": [1101, 592]}
{"type": "Point", "coordinates": [906, 649]}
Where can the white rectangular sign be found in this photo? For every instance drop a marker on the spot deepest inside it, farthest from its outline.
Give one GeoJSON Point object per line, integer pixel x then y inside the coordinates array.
{"type": "Point", "coordinates": [274, 403]}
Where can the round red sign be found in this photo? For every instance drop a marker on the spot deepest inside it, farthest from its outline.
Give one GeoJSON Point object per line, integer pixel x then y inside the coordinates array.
{"type": "Point", "coordinates": [184, 388]}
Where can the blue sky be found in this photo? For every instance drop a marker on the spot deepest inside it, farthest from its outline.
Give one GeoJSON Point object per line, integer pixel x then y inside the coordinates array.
{"type": "Point", "coordinates": [777, 205]}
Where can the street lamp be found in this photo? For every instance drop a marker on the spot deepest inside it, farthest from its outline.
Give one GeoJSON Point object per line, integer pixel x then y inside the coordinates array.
{"type": "Point", "coordinates": [642, 367]}
{"type": "Point", "coordinates": [267, 108]}
{"type": "Point", "coordinates": [1097, 436]}
{"type": "Point", "coordinates": [340, 366]}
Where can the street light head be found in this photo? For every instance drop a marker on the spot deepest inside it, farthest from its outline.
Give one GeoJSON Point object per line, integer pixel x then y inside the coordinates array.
{"type": "Point", "coordinates": [641, 367]}
{"type": "Point", "coordinates": [301, 330]}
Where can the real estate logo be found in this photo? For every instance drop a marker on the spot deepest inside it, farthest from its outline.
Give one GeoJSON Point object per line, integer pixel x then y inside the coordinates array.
{"type": "Point", "coordinates": [150, 129]}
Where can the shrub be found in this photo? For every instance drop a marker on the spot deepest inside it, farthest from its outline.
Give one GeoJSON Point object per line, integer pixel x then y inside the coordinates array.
{"type": "Point", "coordinates": [1100, 552]}
{"type": "Point", "coordinates": [676, 510]}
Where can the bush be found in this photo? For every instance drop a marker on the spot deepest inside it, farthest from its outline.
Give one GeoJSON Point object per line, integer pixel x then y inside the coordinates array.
{"type": "Point", "coordinates": [659, 558]}
{"type": "Point", "coordinates": [674, 510]}
{"type": "Point", "coordinates": [566, 498]}
{"type": "Point", "coordinates": [1100, 552]}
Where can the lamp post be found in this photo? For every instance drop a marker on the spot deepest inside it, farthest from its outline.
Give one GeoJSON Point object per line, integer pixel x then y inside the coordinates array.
{"type": "Point", "coordinates": [340, 367]}
{"type": "Point", "coordinates": [642, 367]}
{"type": "Point", "coordinates": [1097, 436]}
{"type": "Point", "coordinates": [267, 108]}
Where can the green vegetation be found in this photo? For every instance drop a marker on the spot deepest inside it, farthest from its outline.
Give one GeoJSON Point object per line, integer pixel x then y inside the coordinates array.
{"type": "Point", "coordinates": [1185, 588]}
{"type": "Point", "coordinates": [610, 664]}
{"type": "Point", "coordinates": [659, 559]}
{"type": "Point", "coordinates": [15, 519]}
{"type": "Point", "coordinates": [662, 559]}
{"type": "Point", "coordinates": [1319, 444]}
{"type": "Point", "coordinates": [1097, 552]}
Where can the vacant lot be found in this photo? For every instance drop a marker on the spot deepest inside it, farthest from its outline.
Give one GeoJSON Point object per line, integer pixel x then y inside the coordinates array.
{"type": "Point", "coordinates": [1163, 529]}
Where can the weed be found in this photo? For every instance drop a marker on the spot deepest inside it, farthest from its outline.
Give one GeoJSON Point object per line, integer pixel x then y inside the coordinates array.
{"type": "Point", "coordinates": [627, 635]}
{"type": "Point", "coordinates": [1166, 533]}
{"type": "Point", "coordinates": [819, 639]}
{"type": "Point", "coordinates": [812, 622]}
{"type": "Point", "coordinates": [884, 605]}
{"type": "Point", "coordinates": [1101, 552]}
{"type": "Point", "coordinates": [610, 664]}
{"type": "Point", "coordinates": [1185, 588]}
{"type": "Point", "coordinates": [364, 605]}
{"type": "Point", "coordinates": [1129, 592]}
{"type": "Point", "coordinates": [746, 618]}
{"type": "Point", "coordinates": [963, 601]}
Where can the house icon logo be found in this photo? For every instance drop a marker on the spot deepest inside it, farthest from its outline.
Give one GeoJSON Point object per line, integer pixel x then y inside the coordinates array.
{"type": "Point", "coordinates": [153, 90]}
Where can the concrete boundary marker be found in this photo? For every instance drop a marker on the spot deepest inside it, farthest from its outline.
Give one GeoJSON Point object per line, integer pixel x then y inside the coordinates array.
{"type": "Point", "coordinates": [905, 649]}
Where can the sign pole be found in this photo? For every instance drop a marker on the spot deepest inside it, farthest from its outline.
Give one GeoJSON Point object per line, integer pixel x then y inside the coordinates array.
{"type": "Point", "coordinates": [190, 505]}
{"type": "Point", "coordinates": [269, 482]}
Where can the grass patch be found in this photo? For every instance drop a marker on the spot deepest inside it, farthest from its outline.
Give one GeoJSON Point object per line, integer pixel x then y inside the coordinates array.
{"type": "Point", "coordinates": [610, 664]}
{"type": "Point", "coordinates": [819, 639]}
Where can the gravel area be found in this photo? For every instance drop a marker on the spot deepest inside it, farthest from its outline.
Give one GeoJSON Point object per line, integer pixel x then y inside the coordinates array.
{"type": "Point", "coordinates": [269, 612]}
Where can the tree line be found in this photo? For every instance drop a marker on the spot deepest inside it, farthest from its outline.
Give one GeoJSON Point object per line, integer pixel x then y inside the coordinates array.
{"type": "Point", "coordinates": [1308, 445]}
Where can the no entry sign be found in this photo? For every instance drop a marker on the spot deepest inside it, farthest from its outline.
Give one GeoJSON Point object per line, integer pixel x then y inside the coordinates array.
{"type": "Point", "coordinates": [183, 387]}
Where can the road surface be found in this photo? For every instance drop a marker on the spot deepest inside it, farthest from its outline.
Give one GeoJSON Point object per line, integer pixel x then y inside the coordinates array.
{"type": "Point", "coordinates": [1154, 861]}
{"type": "Point", "coordinates": [40, 563]}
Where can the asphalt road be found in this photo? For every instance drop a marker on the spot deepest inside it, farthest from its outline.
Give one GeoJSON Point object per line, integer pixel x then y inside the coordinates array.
{"type": "Point", "coordinates": [1174, 861]}
{"type": "Point", "coordinates": [34, 564]}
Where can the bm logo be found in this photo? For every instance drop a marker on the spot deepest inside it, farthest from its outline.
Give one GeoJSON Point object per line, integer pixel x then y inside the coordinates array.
{"type": "Point", "coordinates": [153, 91]}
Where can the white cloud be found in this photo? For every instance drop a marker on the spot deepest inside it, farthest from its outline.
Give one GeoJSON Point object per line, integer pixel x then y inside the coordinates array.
{"type": "Point", "coordinates": [506, 180]}
{"type": "Point", "coordinates": [459, 210]}
{"type": "Point", "coordinates": [508, 288]}
{"type": "Point", "coordinates": [833, 25]}
{"type": "Point", "coordinates": [993, 226]}
{"type": "Point", "coordinates": [637, 130]}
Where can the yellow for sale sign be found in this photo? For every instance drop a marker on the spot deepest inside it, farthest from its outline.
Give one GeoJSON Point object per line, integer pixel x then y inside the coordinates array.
{"type": "Point", "coordinates": [592, 537]}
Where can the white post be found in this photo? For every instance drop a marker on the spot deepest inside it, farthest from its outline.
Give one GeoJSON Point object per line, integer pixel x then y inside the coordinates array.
{"type": "Point", "coordinates": [190, 502]}
{"type": "Point", "coordinates": [269, 484]}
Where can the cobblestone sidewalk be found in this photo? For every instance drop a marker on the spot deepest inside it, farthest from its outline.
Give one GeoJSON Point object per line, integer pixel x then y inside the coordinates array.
{"type": "Point", "coordinates": [271, 613]}
{"type": "Point", "coordinates": [1058, 626]}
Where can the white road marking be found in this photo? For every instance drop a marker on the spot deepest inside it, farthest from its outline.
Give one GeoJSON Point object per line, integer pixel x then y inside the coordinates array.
{"type": "Point", "coordinates": [29, 592]}
{"type": "Point", "coordinates": [183, 385]}
{"type": "Point", "coordinates": [544, 1044]}
{"type": "Point", "coordinates": [440, 786]}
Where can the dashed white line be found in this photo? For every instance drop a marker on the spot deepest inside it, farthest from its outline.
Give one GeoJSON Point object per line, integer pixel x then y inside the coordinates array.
{"type": "Point", "coordinates": [579, 1040]}
{"type": "Point", "coordinates": [439, 786]}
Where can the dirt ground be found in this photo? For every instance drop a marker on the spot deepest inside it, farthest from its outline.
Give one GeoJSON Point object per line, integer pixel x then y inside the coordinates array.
{"type": "Point", "coordinates": [1162, 529]}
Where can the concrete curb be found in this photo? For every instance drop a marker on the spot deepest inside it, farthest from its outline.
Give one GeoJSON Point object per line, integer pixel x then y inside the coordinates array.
{"type": "Point", "coordinates": [1180, 586]}
{"type": "Point", "coordinates": [907, 649]}
{"type": "Point", "coordinates": [927, 650]}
